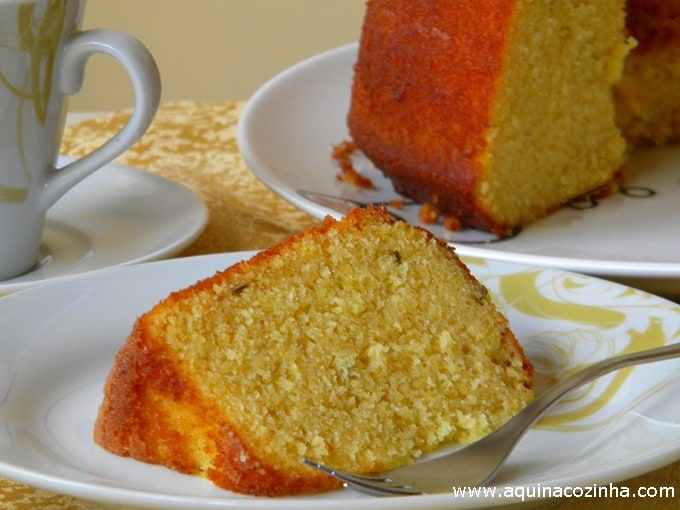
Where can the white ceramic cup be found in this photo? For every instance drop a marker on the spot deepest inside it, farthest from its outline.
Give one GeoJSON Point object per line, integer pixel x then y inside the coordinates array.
{"type": "Point", "coordinates": [42, 60]}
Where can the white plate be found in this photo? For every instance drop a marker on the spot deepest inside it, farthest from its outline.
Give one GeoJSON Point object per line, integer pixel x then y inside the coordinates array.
{"type": "Point", "coordinates": [58, 343]}
{"type": "Point", "coordinates": [117, 216]}
{"type": "Point", "coordinates": [289, 126]}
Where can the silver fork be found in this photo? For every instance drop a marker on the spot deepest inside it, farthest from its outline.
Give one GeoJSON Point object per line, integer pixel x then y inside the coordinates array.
{"type": "Point", "coordinates": [478, 463]}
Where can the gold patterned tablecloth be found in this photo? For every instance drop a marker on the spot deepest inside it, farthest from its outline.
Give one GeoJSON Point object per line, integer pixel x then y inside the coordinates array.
{"type": "Point", "coordinates": [195, 144]}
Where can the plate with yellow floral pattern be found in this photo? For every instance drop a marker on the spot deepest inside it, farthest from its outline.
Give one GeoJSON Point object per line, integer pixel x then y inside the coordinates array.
{"type": "Point", "coordinates": [58, 342]}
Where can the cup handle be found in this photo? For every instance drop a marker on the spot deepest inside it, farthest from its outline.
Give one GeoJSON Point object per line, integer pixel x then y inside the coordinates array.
{"type": "Point", "coordinates": [146, 82]}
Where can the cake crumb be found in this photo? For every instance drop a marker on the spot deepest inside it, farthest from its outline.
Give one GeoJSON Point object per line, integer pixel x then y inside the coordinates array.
{"type": "Point", "coordinates": [397, 204]}
{"type": "Point", "coordinates": [452, 223]}
{"type": "Point", "coordinates": [428, 214]}
{"type": "Point", "coordinates": [342, 153]}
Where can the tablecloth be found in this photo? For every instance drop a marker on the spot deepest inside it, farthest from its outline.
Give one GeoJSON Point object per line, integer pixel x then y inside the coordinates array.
{"type": "Point", "coordinates": [195, 144]}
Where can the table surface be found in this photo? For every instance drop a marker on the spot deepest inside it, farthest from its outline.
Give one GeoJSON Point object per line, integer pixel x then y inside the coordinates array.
{"type": "Point", "coordinates": [195, 144]}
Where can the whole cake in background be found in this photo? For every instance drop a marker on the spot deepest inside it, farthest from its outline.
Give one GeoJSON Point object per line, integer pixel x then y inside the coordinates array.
{"type": "Point", "coordinates": [361, 344]}
{"type": "Point", "coordinates": [648, 95]}
{"type": "Point", "coordinates": [498, 112]}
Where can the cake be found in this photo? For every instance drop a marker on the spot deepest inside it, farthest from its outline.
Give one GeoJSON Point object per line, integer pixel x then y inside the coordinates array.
{"type": "Point", "coordinates": [497, 112]}
{"type": "Point", "coordinates": [648, 95]}
{"type": "Point", "coordinates": [361, 343]}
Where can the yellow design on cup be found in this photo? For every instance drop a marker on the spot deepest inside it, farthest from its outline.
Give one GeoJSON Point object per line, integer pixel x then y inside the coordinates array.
{"type": "Point", "coordinates": [38, 38]}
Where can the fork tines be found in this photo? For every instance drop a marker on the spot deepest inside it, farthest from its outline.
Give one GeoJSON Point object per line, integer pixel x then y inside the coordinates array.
{"type": "Point", "coordinates": [371, 485]}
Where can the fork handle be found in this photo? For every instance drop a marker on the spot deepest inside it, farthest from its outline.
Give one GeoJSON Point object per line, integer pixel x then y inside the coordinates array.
{"type": "Point", "coordinates": [507, 435]}
{"type": "Point", "coordinates": [553, 394]}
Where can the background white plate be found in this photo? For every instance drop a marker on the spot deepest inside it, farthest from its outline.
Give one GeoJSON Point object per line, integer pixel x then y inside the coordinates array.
{"type": "Point", "coordinates": [58, 341]}
{"type": "Point", "coordinates": [117, 216]}
{"type": "Point", "coordinates": [289, 126]}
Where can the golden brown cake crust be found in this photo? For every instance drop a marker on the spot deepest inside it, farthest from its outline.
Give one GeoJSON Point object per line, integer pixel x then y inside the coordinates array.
{"type": "Point", "coordinates": [655, 24]}
{"type": "Point", "coordinates": [430, 144]}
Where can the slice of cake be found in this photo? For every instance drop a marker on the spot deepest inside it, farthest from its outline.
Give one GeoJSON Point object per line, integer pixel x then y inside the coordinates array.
{"type": "Point", "coordinates": [648, 95]}
{"type": "Point", "coordinates": [497, 112]}
{"type": "Point", "coordinates": [361, 344]}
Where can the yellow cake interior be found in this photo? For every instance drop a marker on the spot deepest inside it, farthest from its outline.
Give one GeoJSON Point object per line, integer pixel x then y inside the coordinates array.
{"type": "Point", "coordinates": [648, 110]}
{"type": "Point", "coordinates": [560, 54]}
{"type": "Point", "coordinates": [360, 350]}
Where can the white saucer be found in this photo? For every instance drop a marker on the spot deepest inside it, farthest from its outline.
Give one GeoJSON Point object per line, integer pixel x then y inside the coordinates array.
{"type": "Point", "coordinates": [117, 216]}
{"type": "Point", "coordinates": [289, 126]}
{"type": "Point", "coordinates": [58, 342]}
